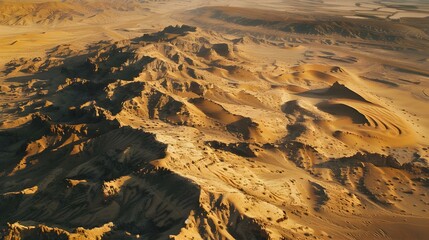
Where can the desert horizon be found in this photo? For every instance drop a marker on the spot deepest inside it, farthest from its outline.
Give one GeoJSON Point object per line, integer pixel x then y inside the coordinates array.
{"type": "Point", "coordinates": [191, 119]}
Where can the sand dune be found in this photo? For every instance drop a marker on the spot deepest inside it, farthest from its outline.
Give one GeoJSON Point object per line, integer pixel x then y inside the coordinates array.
{"type": "Point", "coordinates": [56, 12]}
{"type": "Point", "coordinates": [272, 125]}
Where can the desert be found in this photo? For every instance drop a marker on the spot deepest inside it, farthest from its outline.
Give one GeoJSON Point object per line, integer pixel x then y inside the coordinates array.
{"type": "Point", "coordinates": [191, 119]}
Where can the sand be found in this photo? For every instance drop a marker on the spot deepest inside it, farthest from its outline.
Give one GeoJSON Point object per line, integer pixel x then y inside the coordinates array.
{"type": "Point", "coordinates": [214, 120]}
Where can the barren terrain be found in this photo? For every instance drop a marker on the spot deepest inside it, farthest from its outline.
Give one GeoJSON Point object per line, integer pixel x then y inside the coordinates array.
{"type": "Point", "coordinates": [214, 119]}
